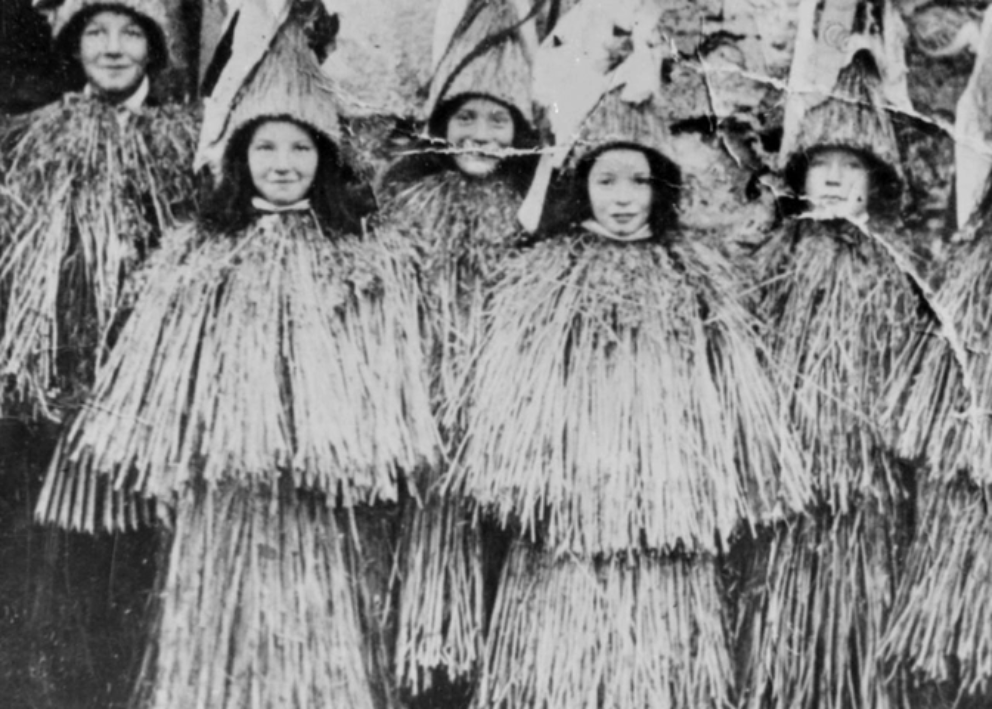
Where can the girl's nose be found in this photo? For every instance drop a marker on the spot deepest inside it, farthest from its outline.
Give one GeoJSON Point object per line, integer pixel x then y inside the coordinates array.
{"type": "Point", "coordinates": [113, 43]}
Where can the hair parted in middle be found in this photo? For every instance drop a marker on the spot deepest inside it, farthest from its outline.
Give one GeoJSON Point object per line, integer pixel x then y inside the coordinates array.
{"type": "Point", "coordinates": [288, 85]}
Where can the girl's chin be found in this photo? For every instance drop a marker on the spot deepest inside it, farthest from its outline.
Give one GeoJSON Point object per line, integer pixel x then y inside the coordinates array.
{"type": "Point", "coordinates": [476, 165]}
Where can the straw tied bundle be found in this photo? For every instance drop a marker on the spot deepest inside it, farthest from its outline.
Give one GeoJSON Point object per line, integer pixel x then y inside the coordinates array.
{"type": "Point", "coordinates": [620, 403]}
{"type": "Point", "coordinates": [842, 311]}
{"type": "Point", "coordinates": [91, 196]}
{"type": "Point", "coordinates": [281, 351]}
{"type": "Point", "coordinates": [258, 609]}
{"type": "Point", "coordinates": [608, 633]}
{"type": "Point", "coordinates": [461, 228]}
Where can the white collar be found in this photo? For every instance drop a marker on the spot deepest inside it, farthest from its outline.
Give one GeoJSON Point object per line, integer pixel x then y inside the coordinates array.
{"type": "Point", "coordinates": [596, 228]}
{"type": "Point", "coordinates": [264, 205]}
{"type": "Point", "coordinates": [133, 103]}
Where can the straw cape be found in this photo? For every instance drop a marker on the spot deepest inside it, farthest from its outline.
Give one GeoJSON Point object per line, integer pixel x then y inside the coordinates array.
{"type": "Point", "coordinates": [938, 406]}
{"type": "Point", "coordinates": [461, 226]}
{"type": "Point", "coordinates": [321, 327]}
{"type": "Point", "coordinates": [89, 196]}
{"type": "Point", "coordinates": [630, 377]}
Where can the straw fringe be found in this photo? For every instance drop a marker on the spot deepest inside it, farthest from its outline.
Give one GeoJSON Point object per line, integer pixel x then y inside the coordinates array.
{"type": "Point", "coordinates": [940, 631]}
{"type": "Point", "coordinates": [296, 353]}
{"type": "Point", "coordinates": [814, 623]}
{"type": "Point", "coordinates": [841, 313]}
{"type": "Point", "coordinates": [621, 399]}
{"type": "Point", "coordinates": [89, 198]}
{"type": "Point", "coordinates": [637, 631]}
{"type": "Point", "coordinates": [441, 603]}
{"type": "Point", "coordinates": [257, 608]}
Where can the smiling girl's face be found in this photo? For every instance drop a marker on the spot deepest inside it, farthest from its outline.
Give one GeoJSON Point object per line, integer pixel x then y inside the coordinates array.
{"type": "Point", "coordinates": [282, 160]}
{"type": "Point", "coordinates": [621, 191]}
{"type": "Point", "coordinates": [481, 128]}
{"type": "Point", "coordinates": [114, 52]}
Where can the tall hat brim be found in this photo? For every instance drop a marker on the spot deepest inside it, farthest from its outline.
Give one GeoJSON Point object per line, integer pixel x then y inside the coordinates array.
{"type": "Point", "coordinates": [852, 118]}
{"type": "Point", "coordinates": [287, 84]}
{"type": "Point", "coordinates": [489, 54]}
{"type": "Point", "coordinates": [71, 17]}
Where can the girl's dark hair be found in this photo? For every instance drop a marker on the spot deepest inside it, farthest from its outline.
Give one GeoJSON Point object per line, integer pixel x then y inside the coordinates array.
{"type": "Point", "coordinates": [568, 200]}
{"type": "Point", "coordinates": [67, 44]}
{"type": "Point", "coordinates": [337, 196]}
{"type": "Point", "coordinates": [428, 156]}
{"type": "Point", "coordinates": [884, 184]}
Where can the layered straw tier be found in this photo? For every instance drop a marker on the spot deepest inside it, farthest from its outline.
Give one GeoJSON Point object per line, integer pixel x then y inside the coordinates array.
{"type": "Point", "coordinates": [817, 612]}
{"type": "Point", "coordinates": [621, 402]}
{"type": "Point", "coordinates": [257, 607]}
{"type": "Point", "coordinates": [89, 197]}
{"type": "Point", "coordinates": [285, 351]}
{"type": "Point", "coordinates": [641, 631]}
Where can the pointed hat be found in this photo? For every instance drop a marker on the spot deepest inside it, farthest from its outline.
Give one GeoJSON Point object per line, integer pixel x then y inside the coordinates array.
{"type": "Point", "coordinates": [287, 83]}
{"type": "Point", "coordinates": [489, 53]}
{"type": "Point", "coordinates": [854, 118]}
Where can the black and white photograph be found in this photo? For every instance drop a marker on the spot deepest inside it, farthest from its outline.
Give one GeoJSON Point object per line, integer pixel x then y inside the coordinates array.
{"type": "Point", "coordinates": [495, 354]}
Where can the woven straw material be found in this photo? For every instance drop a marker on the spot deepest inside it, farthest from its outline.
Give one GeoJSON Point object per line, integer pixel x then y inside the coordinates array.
{"type": "Point", "coordinates": [853, 117]}
{"type": "Point", "coordinates": [288, 82]}
{"type": "Point", "coordinates": [937, 409]}
{"type": "Point", "coordinates": [257, 608]}
{"type": "Point", "coordinates": [298, 353]}
{"type": "Point", "coordinates": [461, 228]}
{"type": "Point", "coordinates": [632, 632]}
{"type": "Point", "coordinates": [840, 312]}
{"type": "Point", "coordinates": [620, 399]}
{"type": "Point", "coordinates": [815, 625]}
{"type": "Point", "coordinates": [88, 198]}
{"type": "Point", "coordinates": [940, 630]}
{"type": "Point", "coordinates": [154, 10]}
{"type": "Point", "coordinates": [479, 61]}
{"type": "Point", "coordinates": [613, 120]}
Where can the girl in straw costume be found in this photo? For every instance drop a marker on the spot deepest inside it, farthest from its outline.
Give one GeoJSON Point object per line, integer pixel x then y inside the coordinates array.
{"type": "Point", "coordinates": [938, 408]}
{"type": "Point", "coordinates": [296, 344]}
{"type": "Point", "coordinates": [455, 201]}
{"type": "Point", "coordinates": [841, 304]}
{"type": "Point", "coordinates": [92, 181]}
{"type": "Point", "coordinates": [623, 425]}
{"type": "Point", "coordinates": [89, 184]}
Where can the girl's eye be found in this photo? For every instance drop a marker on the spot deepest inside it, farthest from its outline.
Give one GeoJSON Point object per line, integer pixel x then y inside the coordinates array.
{"type": "Point", "coordinates": [463, 117]}
{"type": "Point", "coordinates": [134, 33]}
{"type": "Point", "coordinates": [642, 180]}
{"type": "Point", "coordinates": [93, 31]}
{"type": "Point", "coordinates": [302, 148]}
{"type": "Point", "coordinates": [262, 146]}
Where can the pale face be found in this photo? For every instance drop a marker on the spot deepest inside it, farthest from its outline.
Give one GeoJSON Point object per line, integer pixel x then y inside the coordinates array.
{"type": "Point", "coordinates": [837, 183]}
{"type": "Point", "coordinates": [114, 52]}
{"type": "Point", "coordinates": [621, 191]}
{"type": "Point", "coordinates": [282, 160]}
{"type": "Point", "coordinates": [482, 127]}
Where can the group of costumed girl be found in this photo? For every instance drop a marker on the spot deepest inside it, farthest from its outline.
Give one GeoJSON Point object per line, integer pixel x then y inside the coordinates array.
{"type": "Point", "coordinates": [344, 422]}
{"type": "Point", "coordinates": [89, 187]}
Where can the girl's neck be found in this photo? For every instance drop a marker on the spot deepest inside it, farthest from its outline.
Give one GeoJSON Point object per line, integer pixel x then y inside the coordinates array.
{"type": "Point", "coordinates": [263, 205]}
